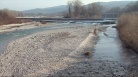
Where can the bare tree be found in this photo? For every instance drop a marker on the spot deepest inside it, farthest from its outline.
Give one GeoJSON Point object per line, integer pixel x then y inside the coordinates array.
{"type": "Point", "coordinates": [12, 12]}
{"type": "Point", "coordinates": [77, 8]}
{"type": "Point", "coordinates": [114, 10]}
{"type": "Point", "coordinates": [94, 9]}
{"type": "Point", "coordinates": [84, 12]}
{"type": "Point", "coordinates": [70, 5]}
{"type": "Point", "coordinates": [133, 7]}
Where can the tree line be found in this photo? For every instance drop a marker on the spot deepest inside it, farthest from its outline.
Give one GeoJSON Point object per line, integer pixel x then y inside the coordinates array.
{"type": "Point", "coordinates": [76, 9]}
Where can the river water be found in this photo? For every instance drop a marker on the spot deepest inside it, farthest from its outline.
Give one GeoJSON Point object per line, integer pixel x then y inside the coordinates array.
{"type": "Point", "coordinates": [110, 47]}
{"type": "Point", "coordinates": [118, 60]}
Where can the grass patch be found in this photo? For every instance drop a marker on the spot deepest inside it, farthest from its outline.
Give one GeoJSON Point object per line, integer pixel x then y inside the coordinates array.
{"type": "Point", "coordinates": [128, 30]}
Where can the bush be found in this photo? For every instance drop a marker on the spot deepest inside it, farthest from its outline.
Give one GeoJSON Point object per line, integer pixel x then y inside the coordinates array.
{"type": "Point", "coordinates": [128, 30]}
{"type": "Point", "coordinates": [6, 17]}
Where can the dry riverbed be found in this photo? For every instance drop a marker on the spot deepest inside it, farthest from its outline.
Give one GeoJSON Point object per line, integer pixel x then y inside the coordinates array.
{"type": "Point", "coordinates": [29, 25]}
{"type": "Point", "coordinates": [48, 52]}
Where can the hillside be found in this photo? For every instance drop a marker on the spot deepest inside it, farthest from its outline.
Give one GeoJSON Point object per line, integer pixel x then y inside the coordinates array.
{"type": "Point", "coordinates": [47, 10]}
{"type": "Point", "coordinates": [112, 4]}
{"type": "Point", "coordinates": [61, 8]}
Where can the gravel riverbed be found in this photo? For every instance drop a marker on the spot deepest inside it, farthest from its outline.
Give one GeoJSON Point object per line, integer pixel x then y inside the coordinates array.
{"type": "Point", "coordinates": [46, 53]}
{"type": "Point", "coordinates": [60, 53]}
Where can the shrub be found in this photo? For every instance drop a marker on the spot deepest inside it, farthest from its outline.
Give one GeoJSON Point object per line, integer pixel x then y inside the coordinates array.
{"type": "Point", "coordinates": [7, 18]}
{"type": "Point", "coordinates": [128, 30]}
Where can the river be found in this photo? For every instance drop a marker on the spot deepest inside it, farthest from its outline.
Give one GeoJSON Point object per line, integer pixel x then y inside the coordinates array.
{"type": "Point", "coordinates": [109, 59]}
{"type": "Point", "coordinates": [119, 60]}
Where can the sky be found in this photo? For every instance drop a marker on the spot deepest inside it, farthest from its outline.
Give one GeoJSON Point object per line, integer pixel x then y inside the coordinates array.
{"type": "Point", "coordinates": [21, 5]}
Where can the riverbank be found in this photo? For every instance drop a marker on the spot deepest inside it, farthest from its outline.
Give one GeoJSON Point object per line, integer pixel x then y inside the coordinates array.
{"type": "Point", "coordinates": [28, 25]}
{"type": "Point", "coordinates": [47, 52]}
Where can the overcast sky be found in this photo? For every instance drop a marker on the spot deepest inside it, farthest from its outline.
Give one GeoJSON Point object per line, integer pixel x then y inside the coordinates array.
{"type": "Point", "coordinates": [31, 4]}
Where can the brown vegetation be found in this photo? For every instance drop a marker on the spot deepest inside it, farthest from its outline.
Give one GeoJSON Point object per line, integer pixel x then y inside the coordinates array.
{"type": "Point", "coordinates": [95, 31]}
{"type": "Point", "coordinates": [8, 17]}
{"type": "Point", "coordinates": [43, 22]}
{"type": "Point", "coordinates": [76, 9]}
{"type": "Point", "coordinates": [128, 30]}
{"type": "Point", "coordinates": [88, 54]}
{"type": "Point", "coordinates": [5, 18]}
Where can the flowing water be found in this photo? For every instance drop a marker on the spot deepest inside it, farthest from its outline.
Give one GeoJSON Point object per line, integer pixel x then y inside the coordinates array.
{"type": "Point", "coordinates": [110, 47]}
{"type": "Point", "coordinates": [117, 60]}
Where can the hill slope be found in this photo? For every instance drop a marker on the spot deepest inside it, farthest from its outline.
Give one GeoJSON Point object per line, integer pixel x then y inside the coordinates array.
{"type": "Point", "coordinates": [61, 8]}
{"type": "Point", "coordinates": [47, 10]}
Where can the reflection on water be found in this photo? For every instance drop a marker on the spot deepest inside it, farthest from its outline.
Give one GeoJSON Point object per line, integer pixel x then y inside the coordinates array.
{"type": "Point", "coordinates": [109, 48]}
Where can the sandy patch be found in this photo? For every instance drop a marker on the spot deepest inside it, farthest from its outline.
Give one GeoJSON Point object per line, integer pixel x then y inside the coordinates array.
{"type": "Point", "coordinates": [29, 25]}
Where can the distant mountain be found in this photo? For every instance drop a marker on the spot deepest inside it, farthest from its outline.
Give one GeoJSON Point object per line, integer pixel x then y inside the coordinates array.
{"type": "Point", "coordinates": [112, 4]}
{"type": "Point", "coordinates": [47, 10]}
{"type": "Point", "coordinates": [61, 8]}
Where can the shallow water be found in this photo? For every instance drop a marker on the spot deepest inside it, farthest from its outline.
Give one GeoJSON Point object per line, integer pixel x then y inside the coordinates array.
{"type": "Point", "coordinates": [109, 47]}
